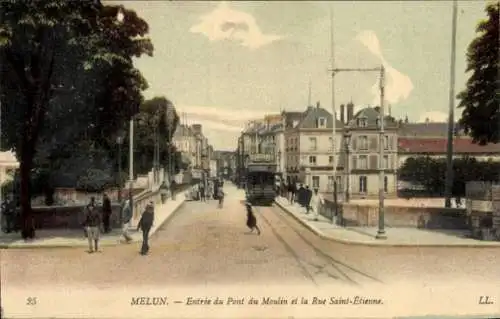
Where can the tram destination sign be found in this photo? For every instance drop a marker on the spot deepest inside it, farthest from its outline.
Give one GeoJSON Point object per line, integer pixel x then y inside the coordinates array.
{"type": "Point", "coordinates": [261, 168]}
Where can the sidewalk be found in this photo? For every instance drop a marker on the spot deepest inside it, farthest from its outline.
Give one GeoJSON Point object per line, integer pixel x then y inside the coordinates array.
{"type": "Point", "coordinates": [64, 238]}
{"type": "Point", "coordinates": [396, 237]}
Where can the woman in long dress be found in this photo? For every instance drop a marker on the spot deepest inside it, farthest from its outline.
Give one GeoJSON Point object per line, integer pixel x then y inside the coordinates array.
{"type": "Point", "coordinates": [317, 201]}
{"type": "Point", "coordinates": [251, 220]}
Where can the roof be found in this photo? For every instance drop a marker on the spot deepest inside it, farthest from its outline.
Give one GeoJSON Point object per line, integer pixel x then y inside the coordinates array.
{"type": "Point", "coordinates": [438, 146]}
{"type": "Point", "coordinates": [312, 114]}
{"type": "Point", "coordinates": [371, 114]}
{"type": "Point", "coordinates": [429, 129]}
{"type": "Point", "coordinates": [291, 117]}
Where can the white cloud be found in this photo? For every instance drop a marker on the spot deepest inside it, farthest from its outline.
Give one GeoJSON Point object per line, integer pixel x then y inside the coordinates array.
{"type": "Point", "coordinates": [224, 23]}
{"type": "Point", "coordinates": [398, 86]}
{"type": "Point", "coordinates": [434, 116]}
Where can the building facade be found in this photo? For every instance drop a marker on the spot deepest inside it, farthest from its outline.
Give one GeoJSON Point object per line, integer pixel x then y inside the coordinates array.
{"type": "Point", "coordinates": [430, 139]}
{"type": "Point", "coordinates": [309, 149]}
{"type": "Point", "coordinates": [364, 159]}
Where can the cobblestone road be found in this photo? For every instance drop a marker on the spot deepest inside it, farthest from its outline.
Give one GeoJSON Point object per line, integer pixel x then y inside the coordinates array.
{"type": "Point", "coordinates": [202, 244]}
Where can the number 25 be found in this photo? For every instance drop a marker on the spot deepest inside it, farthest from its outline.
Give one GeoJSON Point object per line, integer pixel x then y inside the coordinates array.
{"type": "Point", "coordinates": [31, 301]}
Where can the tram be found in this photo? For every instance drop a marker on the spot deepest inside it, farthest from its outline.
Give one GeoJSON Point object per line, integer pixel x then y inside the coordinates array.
{"type": "Point", "coordinates": [261, 172]}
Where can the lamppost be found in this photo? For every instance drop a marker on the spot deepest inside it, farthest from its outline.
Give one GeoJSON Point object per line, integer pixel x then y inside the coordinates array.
{"type": "Point", "coordinates": [347, 141]}
{"type": "Point", "coordinates": [381, 211]}
{"type": "Point", "coordinates": [119, 141]}
{"type": "Point", "coordinates": [279, 162]}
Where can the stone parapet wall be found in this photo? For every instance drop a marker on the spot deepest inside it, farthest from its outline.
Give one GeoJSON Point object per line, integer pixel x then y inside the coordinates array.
{"type": "Point", "coordinates": [400, 216]}
{"type": "Point", "coordinates": [483, 209]}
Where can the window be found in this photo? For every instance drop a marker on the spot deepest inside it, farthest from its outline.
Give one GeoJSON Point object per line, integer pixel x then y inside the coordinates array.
{"type": "Point", "coordinates": [385, 162]}
{"type": "Point", "coordinates": [315, 182]}
{"type": "Point", "coordinates": [313, 144]}
{"type": "Point", "coordinates": [363, 162]}
{"type": "Point", "coordinates": [386, 184]}
{"type": "Point", "coordinates": [321, 122]}
{"type": "Point", "coordinates": [362, 122]}
{"type": "Point", "coordinates": [363, 142]}
{"type": "Point", "coordinates": [386, 142]}
{"type": "Point", "coordinates": [330, 159]}
{"type": "Point", "coordinates": [312, 160]}
{"type": "Point", "coordinates": [363, 181]}
{"type": "Point", "coordinates": [330, 183]}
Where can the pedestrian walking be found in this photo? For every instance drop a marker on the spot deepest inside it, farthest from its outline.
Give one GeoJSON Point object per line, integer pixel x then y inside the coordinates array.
{"type": "Point", "coordinates": [126, 217]}
{"type": "Point", "coordinates": [92, 225]}
{"type": "Point", "coordinates": [300, 195]}
{"type": "Point", "coordinates": [251, 220]}
{"type": "Point", "coordinates": [317, 201]}
{"type": "Point", "coordinates": [307, 199]}
{"type": "Point", "coordinates": [202, 193]}
{"type": "Point", "coordinates": [86, 212]}
{"type": "Point", "coordinates": [220, 197]}
{"type": "Point", "coordinates": [145, 224]}
{"type": "Point", "coordinates": [292, 190]}
{"type": "Point", "coordinates": [106, 213]}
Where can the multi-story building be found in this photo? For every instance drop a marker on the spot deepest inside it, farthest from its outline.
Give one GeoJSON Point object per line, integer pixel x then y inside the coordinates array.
{"type": "Point", "coordinates": [430, 139]}
{"type": "Point", "coordinates": [185, 142]}
{"type": "Point", "coordinates": [309, 148]}
{"type": "Point", "coordinates": [364, 159]}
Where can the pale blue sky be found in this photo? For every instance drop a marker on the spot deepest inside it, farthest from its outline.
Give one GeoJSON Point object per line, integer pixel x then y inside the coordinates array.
{"type": "Point", "coordinates": [264, 64]}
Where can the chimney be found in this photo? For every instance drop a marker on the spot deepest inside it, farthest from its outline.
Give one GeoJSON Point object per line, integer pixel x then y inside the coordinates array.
{"type": "Point", "coordinates": [317, 105]}
{"type": "Point", "coordinates": [342, 113]}
{"type": "Point", "coordinates": [197, 128]}
{"type": "Point", "coordinates": [350, 111]}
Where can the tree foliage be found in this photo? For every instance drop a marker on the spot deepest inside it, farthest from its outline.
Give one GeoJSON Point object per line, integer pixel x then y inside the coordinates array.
{"type": "Point", "coordinates": [480, 99]}
{"type": "Point", "coordinates": [155, 123]}
{"type": "Point", "coordinates": [67, 78]}
{"type": "Point", "coordinates": [431, 173]}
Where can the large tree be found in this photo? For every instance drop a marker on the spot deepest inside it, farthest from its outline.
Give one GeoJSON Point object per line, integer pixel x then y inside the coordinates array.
{"type": "Point", "coordinates": [480, 99]}
{"type": "Point", "coordinates": [155, 126]}
{"type": "Point", "coordinates": [67, 70]}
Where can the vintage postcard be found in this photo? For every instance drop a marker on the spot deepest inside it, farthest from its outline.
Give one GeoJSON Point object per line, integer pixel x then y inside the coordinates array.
{"type": "Point", "coordinates": [249, 159]}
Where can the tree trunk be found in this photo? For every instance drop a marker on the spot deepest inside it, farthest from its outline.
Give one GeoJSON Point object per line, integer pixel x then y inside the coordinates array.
{"type": "Point", "coordinates": [27, 221]}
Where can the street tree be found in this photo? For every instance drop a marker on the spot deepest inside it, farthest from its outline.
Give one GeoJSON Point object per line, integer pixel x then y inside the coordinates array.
{"type": "Point", "coordinates": [57, 60]}
{"type": "Point", "coordinates": [156, 125]}
{"type": "Point", "coordinates": [480, 99]}
{"type": "Point", "coordinates": [430, 173]}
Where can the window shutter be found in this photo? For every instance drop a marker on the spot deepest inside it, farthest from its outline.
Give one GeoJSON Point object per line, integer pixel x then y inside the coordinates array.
{"type": "Point", "coordinates": [373, 162]}
{"type": "Point", "coordinates": [354, 162]}
{"type": "Point", "coordinates": [373, 143]}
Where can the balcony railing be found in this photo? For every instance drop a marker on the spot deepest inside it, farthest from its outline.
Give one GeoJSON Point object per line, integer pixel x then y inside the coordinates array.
{"type": "Point", "coordinates": [261, 158]}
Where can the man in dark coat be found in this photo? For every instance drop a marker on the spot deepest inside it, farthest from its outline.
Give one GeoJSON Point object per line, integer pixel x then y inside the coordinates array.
{"type": "Point", "coordinates": [307, 199]}
{"type": "Point", "coordinates": [145, 224]}
{"type": "Point", "coordinates": [300, 195]}
{"type": "Point", "coordinates": [106, 213]}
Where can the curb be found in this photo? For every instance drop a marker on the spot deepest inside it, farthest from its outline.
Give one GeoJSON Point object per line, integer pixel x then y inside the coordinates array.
{"type": "Point", "coordinates": [84, 245]}
{"type": "Point", "coordinates": [382, 244]}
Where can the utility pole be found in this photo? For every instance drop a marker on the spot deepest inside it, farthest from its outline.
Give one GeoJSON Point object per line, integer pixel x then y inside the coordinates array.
{"type": "Point", "coordinates": [131, 163]}
{"type": "Point", "coordinates": [334, 120]}
{"type": "Point", "coordinates": [381, 176]}
{"type": "Point", "coordinates": [451, 120]}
